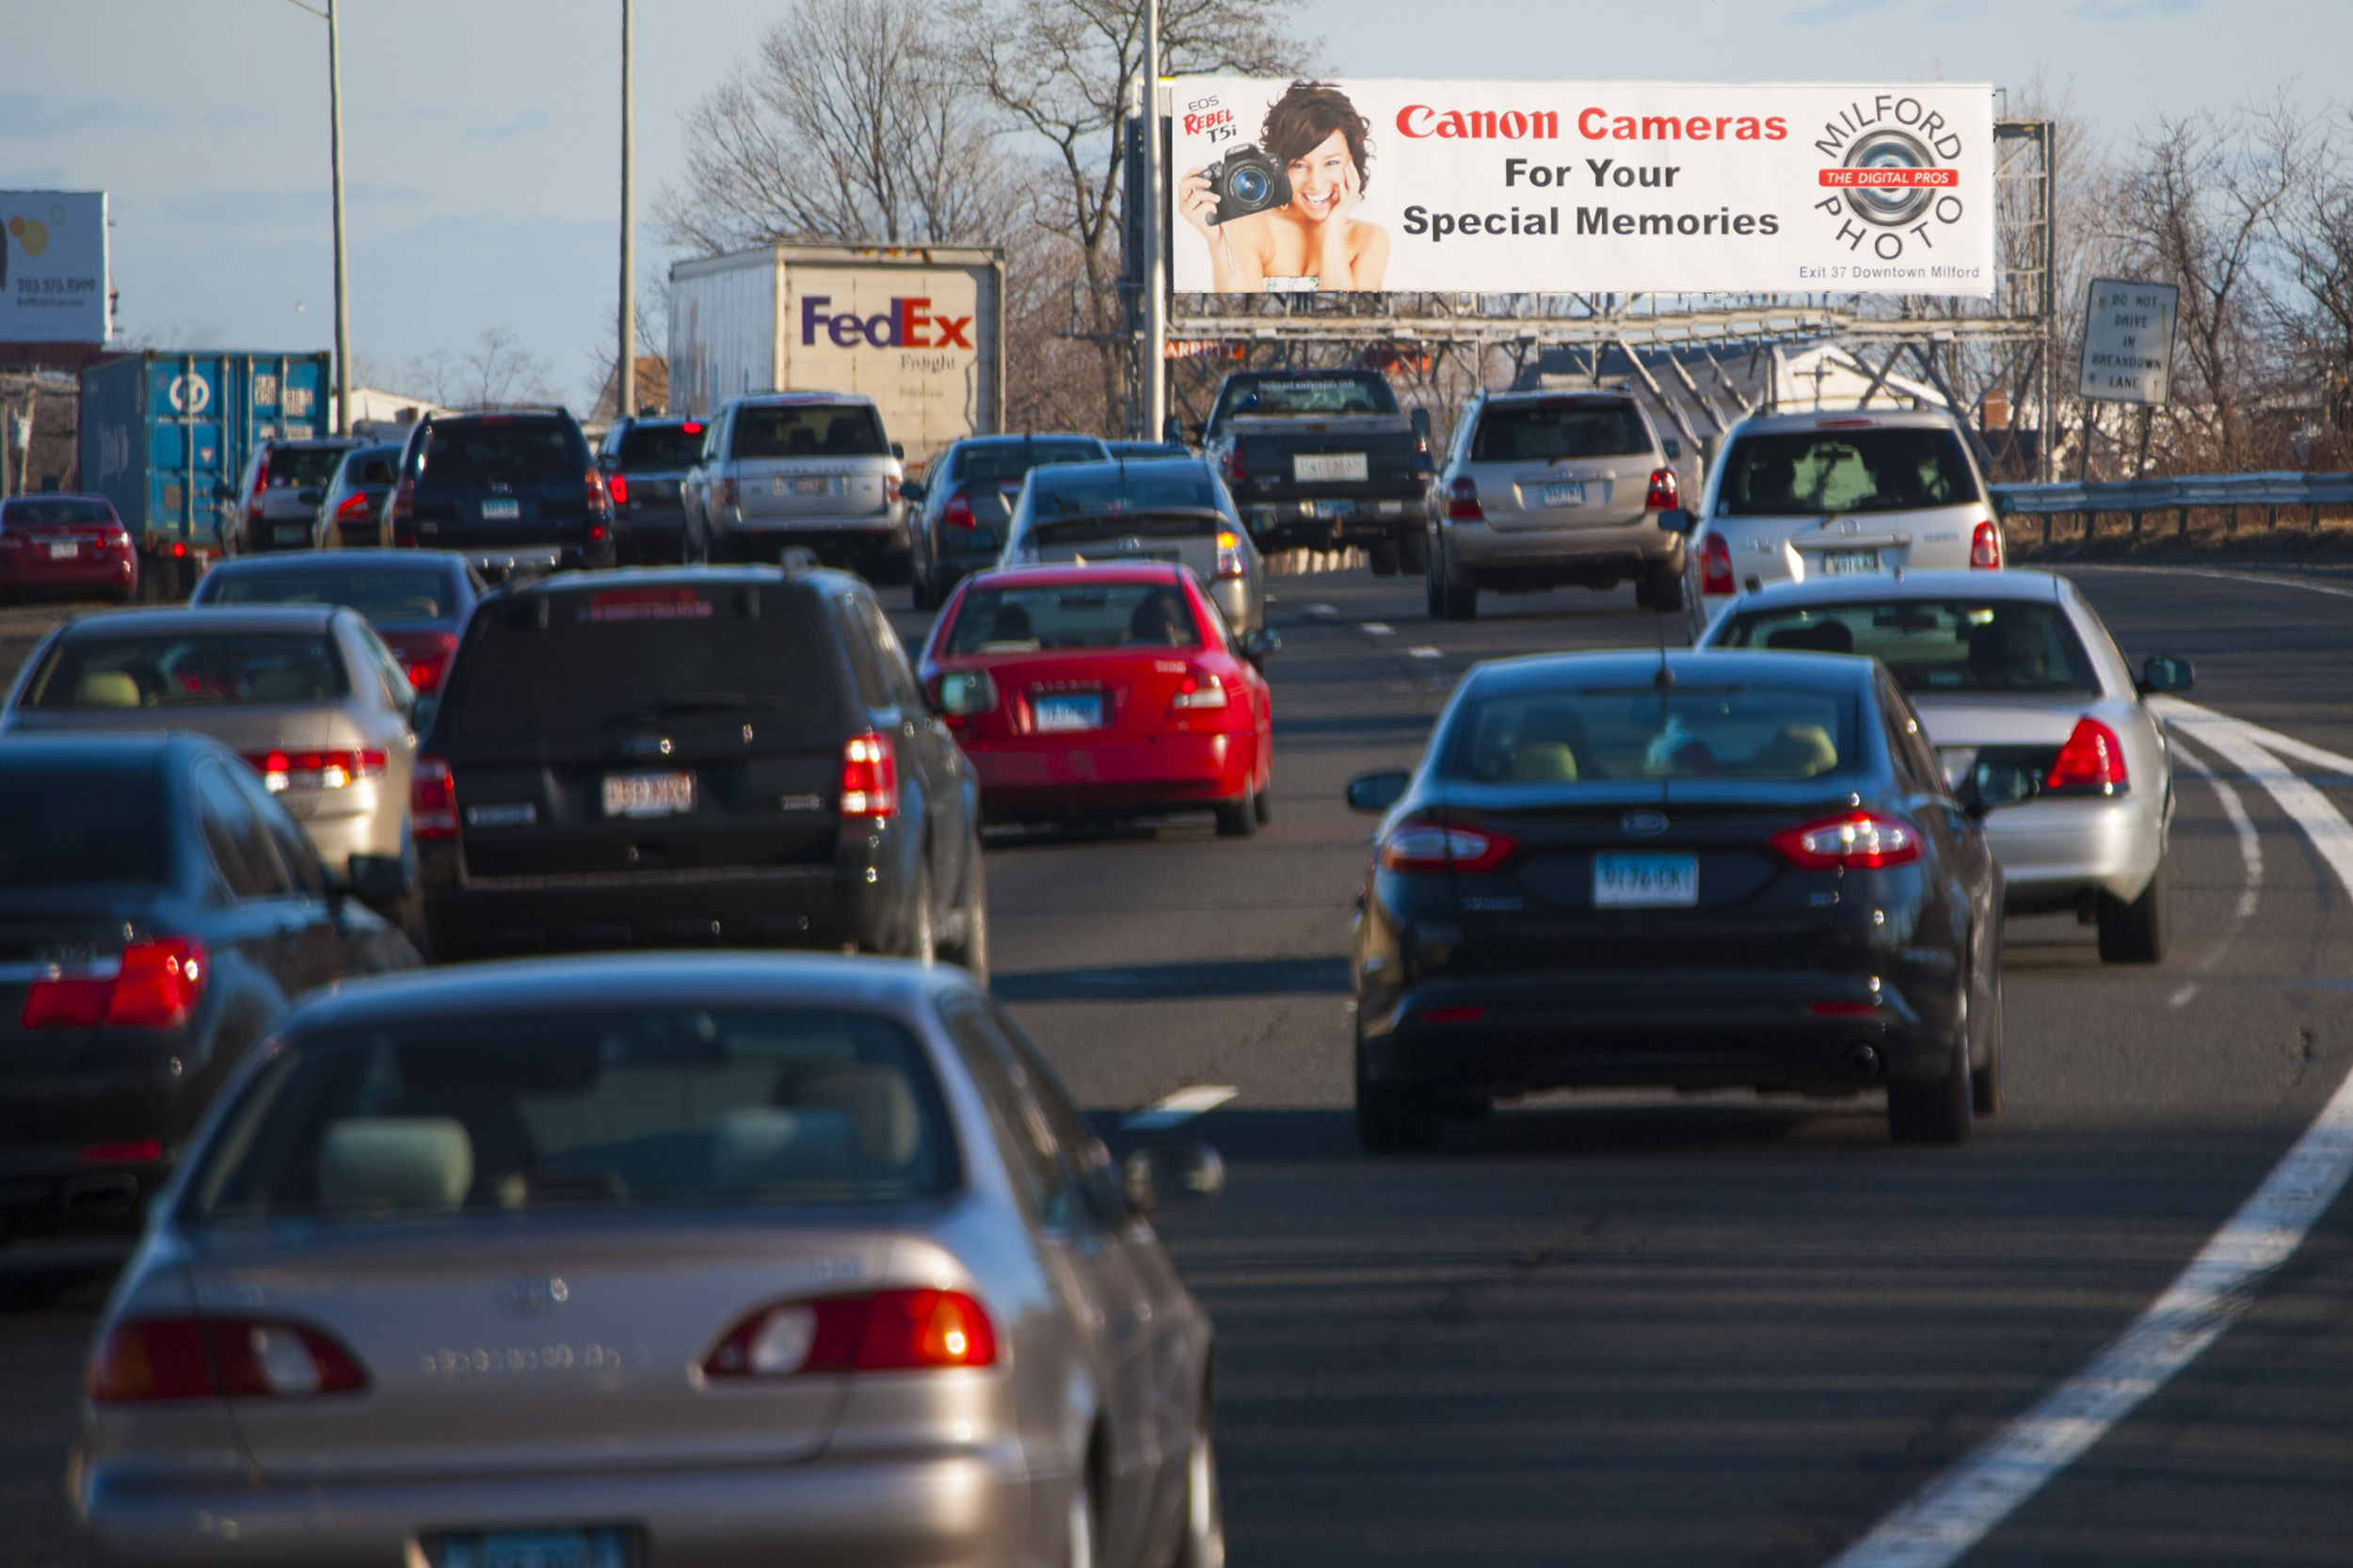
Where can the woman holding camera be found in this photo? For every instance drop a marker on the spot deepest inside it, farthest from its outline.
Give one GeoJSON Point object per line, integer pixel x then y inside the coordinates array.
{"type": "Point", "coordinates": [1313, 242]}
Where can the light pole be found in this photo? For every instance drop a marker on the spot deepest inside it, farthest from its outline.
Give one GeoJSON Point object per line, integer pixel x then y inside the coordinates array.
{"type": "Point", "coordinates": [335, 153]}
{"type": "Point", "coordinates": [625, 387]}
{"type": "Point", "coordinates": [1155, 306]}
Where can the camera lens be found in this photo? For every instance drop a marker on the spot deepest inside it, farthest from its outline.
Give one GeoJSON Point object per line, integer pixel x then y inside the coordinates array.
{"type": "Point", "coordinates": [1248, 186]}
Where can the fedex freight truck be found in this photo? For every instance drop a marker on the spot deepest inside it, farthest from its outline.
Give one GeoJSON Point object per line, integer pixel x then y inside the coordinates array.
{"type": "Point", "coordinates": [920, 331]}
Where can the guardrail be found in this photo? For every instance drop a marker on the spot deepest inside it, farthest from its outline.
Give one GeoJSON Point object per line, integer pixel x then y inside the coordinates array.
{"type": "Point", "coordinates": [2138, 498]}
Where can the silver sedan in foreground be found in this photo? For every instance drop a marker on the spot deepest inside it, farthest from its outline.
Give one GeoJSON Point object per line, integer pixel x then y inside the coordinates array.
{"type": "Point", "coordinates": [673, 1259]}
{"type": "Point", "coordinates": [2031, 707]}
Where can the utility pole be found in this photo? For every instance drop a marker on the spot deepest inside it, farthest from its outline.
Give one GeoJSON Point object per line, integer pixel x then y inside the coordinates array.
{"type": "Point", "coordinates": [343, 264]}
{"type": "Point", "coordinates": [625, 387]}
{"type": "Point", "coordinates": [1154, 376]}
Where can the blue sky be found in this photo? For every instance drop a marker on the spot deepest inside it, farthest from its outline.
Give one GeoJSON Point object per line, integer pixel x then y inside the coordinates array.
{"type": "Point", "coordinates": [482, 135]}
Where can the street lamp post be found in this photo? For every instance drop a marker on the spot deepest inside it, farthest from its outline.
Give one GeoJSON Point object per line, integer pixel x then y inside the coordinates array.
{"type": "Point", "coordinates": [1155, 366]}
{"type": "Point", "coordinates": [625, 387]}
{"type": "Point", "coordinates": [335, 154]}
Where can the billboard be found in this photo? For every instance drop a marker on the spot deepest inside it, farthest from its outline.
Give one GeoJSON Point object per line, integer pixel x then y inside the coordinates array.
{"type": "Point", "coordinates": [1630, 187]}
{"type": "Point", "coordinates": [53, 267]}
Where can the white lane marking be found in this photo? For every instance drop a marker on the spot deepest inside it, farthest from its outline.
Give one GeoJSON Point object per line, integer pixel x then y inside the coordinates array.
{"type": "Point", "coordinates": [1423, 653]}
{"type": "Point", "coordinates": [1378, 628]}
{"type": "Point", "coordinates": [2251, 848]}
{"type": "Point", "coordinates": [2180, 710]}
{"type": "Point", "coordinates": [1963, 1505]}
{"type": "Point", "coordinates": [1180, 1107]}
{"type": "Point", "coordinates": [2330, 590]}
{"type": "Point", "coordinates": [2182, 998]}
{"type": "Point", "coordinates": [1323, 612]}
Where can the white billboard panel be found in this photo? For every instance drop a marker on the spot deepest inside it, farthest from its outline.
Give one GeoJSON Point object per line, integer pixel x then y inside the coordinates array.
{"type": "Point", "coordinates": [910, 338]}
{"type": "Point", "coordinates": [53, 267]}
{"type": "Point", "coordinates": [1626, 188]}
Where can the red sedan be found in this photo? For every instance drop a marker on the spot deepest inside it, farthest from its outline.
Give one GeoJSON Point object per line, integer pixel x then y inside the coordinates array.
{"type": "Point", "coordinates": [70, 545]}
{"type": "Point", "coordinates": [1102, 690]}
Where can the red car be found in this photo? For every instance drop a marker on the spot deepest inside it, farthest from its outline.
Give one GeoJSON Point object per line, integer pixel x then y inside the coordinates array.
{"type": "Point", "coordinates": [1102, 690]}
{"type": "Point", "coordinates": [73, 546]}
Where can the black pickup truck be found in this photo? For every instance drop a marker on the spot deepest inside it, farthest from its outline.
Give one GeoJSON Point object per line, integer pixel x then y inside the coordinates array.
{"type": "Point", "coordinates": [1323, 459]}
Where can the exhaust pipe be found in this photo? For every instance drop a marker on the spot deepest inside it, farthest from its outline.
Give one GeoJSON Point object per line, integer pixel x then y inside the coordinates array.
{"type": "Point", "coordinates": [1862, 1063]}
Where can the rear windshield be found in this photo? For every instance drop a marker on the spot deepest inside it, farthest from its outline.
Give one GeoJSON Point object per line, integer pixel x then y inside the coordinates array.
{"type": "Point", "coordinates": [1568, 428]}
{"type": "Point", "coordinates": [201, 670]}
{"type": "Point", "coordinates": [1566, 737]}
{"type": "Point", "coordinates": [1802, 472]}
{"type": "Point", "coordinates": [305, 465]}
{"type": "Point", "coordinates": [1114, 615]}
{"type": "Point", "coordinates": [387, 595]}
{"type": "Point", "coordinates": [661, 446]}
{"type": "Point", "coordinates": [1147, 449]}
{"type": "Point", "coordinates": [1278, 395]}
{"type": "Point", "coordinates": [617, 658]}
{"type": "Point", "coordinates": [1936, 644]}
{"type": "Point", "coordinates": [372, 467]}
{"type": "Point", "coordinates": [1128, 525]}
{"type": "Point", "coordinates": [54, 513]}
{"type": "Point", "coordinates": [1011, 459]}
{"type": "Point", "coordinates": [476, 450]}
{"type": "Point", "coordinates": [62, 825]}
{"type": "Point", "coordinates": [809, 430]}
{"type": "Point", "coordinates": [1099, 491]}
{"type": "Point", "coordinates": [622, 1108]}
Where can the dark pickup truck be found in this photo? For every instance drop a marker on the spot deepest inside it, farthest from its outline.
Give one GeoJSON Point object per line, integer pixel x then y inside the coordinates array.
{"type": "Point", "coordinates": [1323, 459]}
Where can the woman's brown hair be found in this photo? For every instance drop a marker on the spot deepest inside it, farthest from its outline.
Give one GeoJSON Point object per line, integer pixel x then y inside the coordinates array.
{"type": "Point", "coordinates": [1304, 118]}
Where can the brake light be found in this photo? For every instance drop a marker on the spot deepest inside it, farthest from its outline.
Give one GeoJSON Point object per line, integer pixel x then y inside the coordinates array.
{"type": "Point", "coordinates": [1857, 842]}
{"type": "Point", "coordinates": [261, 483]}
{"type": "Point", "coordinates": [869, 776]}
{"type": "Point", "coordinates": [1715, 565]}
{"type": "Point", "coordinates": [1237, 466]}
{"type": "Point", "coordinates": [1985, 546]}
{"type": "Point", "coordinates": [888, 1331]}
{"type": "Point", "coordinates": [600, 500]}
{"type": "Point", "coordinates": [617, 485]}
{"type": "Point", "coordinates": [1665, 493]}
{"type": "Point", "coordinates": [1462, 500]}
{"type": "Point", "coordinates": [1432, 846]}
{"type": "Point", "coordinates": [141, 1151]}
{"type": "Point", "coordinates": [693, 427]}
{"type": "Point", "coordinates": [314, 770]}
{"type": "Point", "coordinates": [355, 507]}
{"type": "Point", "coordinates": [890, 491]}
{"type": "Point", "coordinates": [958, 512]}
{"type": "Point", "coordinates": [1229, 556]}
{"type": "Point", "coordinates": [404, 512]}
{"type": "Point", "coordinates": [199, 1358]}
{"type": "Point", "coordinates": [432, 800]}
{"type": "Point", "coordinates": [157, 985]}
{"type": "Point", "coordinates": [2091, 762]}
{"type": "Point", "coordinates": [426, 667]}
{"type": "Point", "coordinates": [1199, 689]}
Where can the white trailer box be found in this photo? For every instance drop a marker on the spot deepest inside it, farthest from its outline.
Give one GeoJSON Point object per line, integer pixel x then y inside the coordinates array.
{"type": "Point", "coordinates": [920, 331]}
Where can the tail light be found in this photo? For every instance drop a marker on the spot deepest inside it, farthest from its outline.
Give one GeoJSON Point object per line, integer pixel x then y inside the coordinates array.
{"type": "Point", "coordinates": [1236, 467]}
{"type": "Point", "coordinates": [1462, 500]}
{"type": "Point", "coordinates": [1715, 566]}
{"type": "Point", "coordinates": [314, 770]}
{"type": "Point", "coordinates": [2091, 762]}
{"type": "Point", "coordinates": [1422, 464]}
{"type": "Point", "coordinates": [887, 1331]}
{"type": "Point", "coordinates": [1229, 556]}
{"type": "Point", "coordinates": [427, 664]}
{"type": "Point", "coordinates": [890, 491]}
{"type": "Point", "coordinates": [159, 986]}
{"type": "Point", "coordinates": [725, 498]}
{"type": "Point", "coordinates": [261, 483]}
{"type": "Point", "coordinates": [617, 485]}
{"type": "Point", "coordinates": [869, 776]}
{"type": "Point", "coordinates": [206, 1358]}
{"type": "Point", "coordinates": [432, 800]}
{"type": "Point", "coordinates": [693, 427]}
{"type": "Point", "coordinates": [1855, 842]}
{"type": "Point", "coordinates": [957, 513]}
{"type": "Point", "coordinates": [1432, 846]}
{"type": "Point", "coordinates": [354, 509]}
{"type": "Point", "coordinates": [1985, 546]}
{"type": "Point", "coordinates": [1199, 689]}
{"type": "Point", "coordinates": [1665, 494]}
{"type": "Point", "coordinates": [404, 512]}
{"type": "Point", "coordinates": [599, 499]}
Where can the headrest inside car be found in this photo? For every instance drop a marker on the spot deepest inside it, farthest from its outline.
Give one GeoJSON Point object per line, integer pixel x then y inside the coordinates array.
{"type": "Point", "coordinates": [878, 1104]}
{"type": "Point", "coordinates": [758, 1147]}
{"type": "Point", "coordinates": [418, 1163]}
{"type": "Point", "coordinates": [105, 689]}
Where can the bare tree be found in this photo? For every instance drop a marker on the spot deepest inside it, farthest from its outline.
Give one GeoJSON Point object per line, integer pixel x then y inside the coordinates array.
{"type": "Point", "coordinates": [2314, 231]}
{"type": "Point", "coordinates": [854, 123]}
{"type": "Point", "coordinates": [600, 361]}
{"type": "Point", "coordinates": [498, 369]}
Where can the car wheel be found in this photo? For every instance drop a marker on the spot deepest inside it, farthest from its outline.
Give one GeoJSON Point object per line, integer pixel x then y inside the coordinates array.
{"type": "Point", "coordinates": [1397, 1119]}
{"type": "Point", "coordinates": [1262, 805]}
{"type": "Point", "coordinates": [920, 587]}
{"type": "Point", "coordinates": [1435, 589]}
{"type": "Point", "coordinates": [1381, 558]}
{"type": "Point", "coordinates": [1203, 1544]}
{"type": "Point", "coordinates": [1985, 1083]}
{"type": "Point", "coordinates": [1937, 1112]}
{"type": "Point", "coordinates": [1461, 601]}
{"type": "Point", "coordinates": [1661, 591]}
{"type": "Point", "coordinates": [969, 951]}
{"type": "Point", "coordinates": [1236, 819]}
{"type": "Point", "coordinates": [1412, 550]}
{"type": "Point", "coordinates": [923, 944]}
{"type": "Point", "coordinates": [2134, 932]}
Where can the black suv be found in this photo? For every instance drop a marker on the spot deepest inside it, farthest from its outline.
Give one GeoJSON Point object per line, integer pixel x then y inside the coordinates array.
{"type": "Point", "coordinates": [507, 489]}
{"type": "Point", "coordinates": [645, 461]}
{"type": "Point", "coordinates": [734, 756]}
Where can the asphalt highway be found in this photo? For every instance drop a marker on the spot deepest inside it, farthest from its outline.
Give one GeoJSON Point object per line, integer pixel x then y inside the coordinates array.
{"type": "Point", "coordinates": [1638, 1329]}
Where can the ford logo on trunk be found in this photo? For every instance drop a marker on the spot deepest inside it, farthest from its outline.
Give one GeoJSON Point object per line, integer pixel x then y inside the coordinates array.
{"type": "Point", "coordinates": [1642, 825]}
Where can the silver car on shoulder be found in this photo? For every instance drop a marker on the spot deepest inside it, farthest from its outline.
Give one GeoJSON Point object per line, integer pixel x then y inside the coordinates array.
{"type": "Point", "coordinates": [725, 1260]}
{"type": "Point", "coordinates": [2035, 716]}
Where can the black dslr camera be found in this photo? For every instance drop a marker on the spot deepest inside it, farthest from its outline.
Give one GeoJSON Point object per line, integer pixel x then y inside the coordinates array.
{"type": "Point", "coordinates": [1248, 182]}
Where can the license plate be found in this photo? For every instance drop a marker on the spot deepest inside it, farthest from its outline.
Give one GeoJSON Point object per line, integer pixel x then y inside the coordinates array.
{"type": "Point", "coordinates": [1335, 509]}
{"type": "Point", "coordinates": [816, 484]}
{"type": "Point", "coordinates": [497, 510]}
{"type": "Point", "coordinates": [283, 535]}
{"type": "Point", "coordinates": [1847, 563]}
{"type": "Point", "coordinates": [1328, 466]}
{"type": "Point", "coordinates": [1067, 710]}
{"type": "Point", "coordinates": [1647, 881]}
{"type": "Point", "coordinates": [1566, 494]}
{"type": "Point", "coordinates": [649, 794]}
{"type": "Point", "coordinates": [63, 550]}
{"type": "Point", "coordinates": [556, 1549]}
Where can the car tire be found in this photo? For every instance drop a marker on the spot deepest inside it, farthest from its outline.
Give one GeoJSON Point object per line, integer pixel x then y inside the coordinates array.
{"type": "Point", "coordinates": [1381, 558]}
{"type": "Point", "coordinates": [1660, 590]}
{"type": "Point", "coordinates": [2134, 932]}
{"type": "Point", "coordinates": [1236, 818]}
{"type": "Point", "coordinates": [1938, 1112]}
{"type": "Point", "coordinates": [919, 588]}
{"type": "Point", "coordinates": [1412, 550]}
{"type": "Point", "coordinates": [1397, 1119]}
{"type": "Point", "coordinates": [1459, 602]}
{"type": "Point", "coordinates": [922, 942]}
{"type": "Point", "coordinates": [1262, 804]}
{"type": "Point", "coordinates": [1434, 590]}
{"type": "Point", "coordinates": [1202, 1544]}
{"type": "Point", "coordinates": [969, 951]}
{"type": "Point", "coordinates": [1985, 1083]}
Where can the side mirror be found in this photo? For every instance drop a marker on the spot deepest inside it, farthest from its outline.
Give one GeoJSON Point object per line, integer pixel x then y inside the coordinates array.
{"type": "Point", "coordinates": [2165, 673]}
{"type": "Point", "coordinates": [1996, 784]}
{"type": "Point", "coordinates": [1675, 520]}
{"type": "Point", "coordinates": [381, 880]}
{"type": "Point", "coordinates": [1161, 1177]}
{"type": "Point", "coordinates": [1672, 447]}
{"type": "Point", "coordinates": [911, 489]}
{"type": "Point", "coordinates": [1196, 433]}
{"type": "Point", "coordinates": [1376, 792]}
{"type": "Point", "coordinates": [1258, 644]}
{"type": "Point", "coordinates": [899, 450]}
{"type": "Point", "coordinates": [1421, 422]}
{"type": "Point", "coordinates": [2002, 504]}
{"type": "Point", "coordinates": [1172, 430]}
{"type": "Point", "coordinates": [964, 693]}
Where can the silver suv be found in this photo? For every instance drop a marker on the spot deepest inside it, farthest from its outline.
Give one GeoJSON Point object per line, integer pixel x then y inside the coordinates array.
{"type": "Point", "coordinates": [1543, 489]}
{"type": "Point", "coordinates": [279, 493]}
{"type": "Point", "coordinates": [813, 470]}
{"type": "Point", "coordinates": [1831, 494]}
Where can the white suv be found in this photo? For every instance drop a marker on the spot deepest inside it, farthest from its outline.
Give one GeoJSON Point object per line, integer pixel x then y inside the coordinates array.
{"type": "Point", "coordinates": [1793, 496]}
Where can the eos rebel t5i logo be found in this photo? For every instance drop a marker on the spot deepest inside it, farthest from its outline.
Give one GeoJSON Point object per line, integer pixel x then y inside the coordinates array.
{"type": "Point", "coordinates": [908, 324]}
{"type": "Point", "coordinates": [1894, 184]}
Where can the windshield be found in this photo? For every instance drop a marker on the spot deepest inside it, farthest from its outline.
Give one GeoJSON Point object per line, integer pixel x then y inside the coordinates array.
{"type": "Point", "coordinates": [674, 1106]}
{"type": "Point", "coordinates": [1803, 471]}
{"type": "Point", "coordinates": [1563, 428]}
{"type": "Point", "coordinates": [62, 824]}
{"type": "Point", "coordinates": [1273, 396]}
{"type": "Point", "coordinates": [661, 446]}
{"type": "Point", "coordinates": [618, 657]}
{"type": "Point", "coordinates": [809, 430]}
{"type": "Point", "coordinates": [1565, 737]}
{"type": "Point", "coordinates": [195, 670]}
{"type": "Point", "coordinates": [1936, 646]}
{"type": "Point", "coordinates": [1112, 615]}
{"type": "Point", "coordinates": [473, 451]}
{"type": "Point", "coordinates": [54, 513]}
{"type": "Point", "coordinates": [305, 465]}
{"type": "Point", "coordinates": [1011, 459]}
{"type": "Point", "coordinates": [1097, 490]}
{"type": "Point", "coordinates": [386, 595]}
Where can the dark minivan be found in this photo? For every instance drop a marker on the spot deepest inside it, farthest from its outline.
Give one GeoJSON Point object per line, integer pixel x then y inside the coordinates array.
{"type": "Point", "coordinates": [644, 463]}
{"type": "Point", "coordinates": [736, 757]}
{"type": "Point", "coordinates": [507, 489]}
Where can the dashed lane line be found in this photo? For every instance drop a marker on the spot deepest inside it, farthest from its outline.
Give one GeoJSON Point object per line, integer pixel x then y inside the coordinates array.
{"type": "Point", "coordinates": [2250, 849]}
{"type": "Point", "coordinates": [1182, 1107]}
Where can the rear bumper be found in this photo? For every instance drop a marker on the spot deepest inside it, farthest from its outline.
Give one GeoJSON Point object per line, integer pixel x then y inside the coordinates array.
{"type": "Point", "coordinates": [1112, 777]}
{"type": "Point", "coordinates": [933, 1510]}
{"type": "Point", "coordinates": [57, 1131]}
{"type": "Point", "coordinates": [1357, 516]}
{"type": "Point", "coordinates": [2055, 852]}
{"type": "Point", "coordinates": [780, 906]}
{"type": "Point", "coordinates": [1625, 543]}
{"type": "Point", "coordinates": [111, 574]}
{"type": "Point", "coordinates": [373, 831]}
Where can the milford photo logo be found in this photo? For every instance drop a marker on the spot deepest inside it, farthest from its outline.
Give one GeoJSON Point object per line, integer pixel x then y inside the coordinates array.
{"type": "Point", "coordinates": [1893, 187]}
